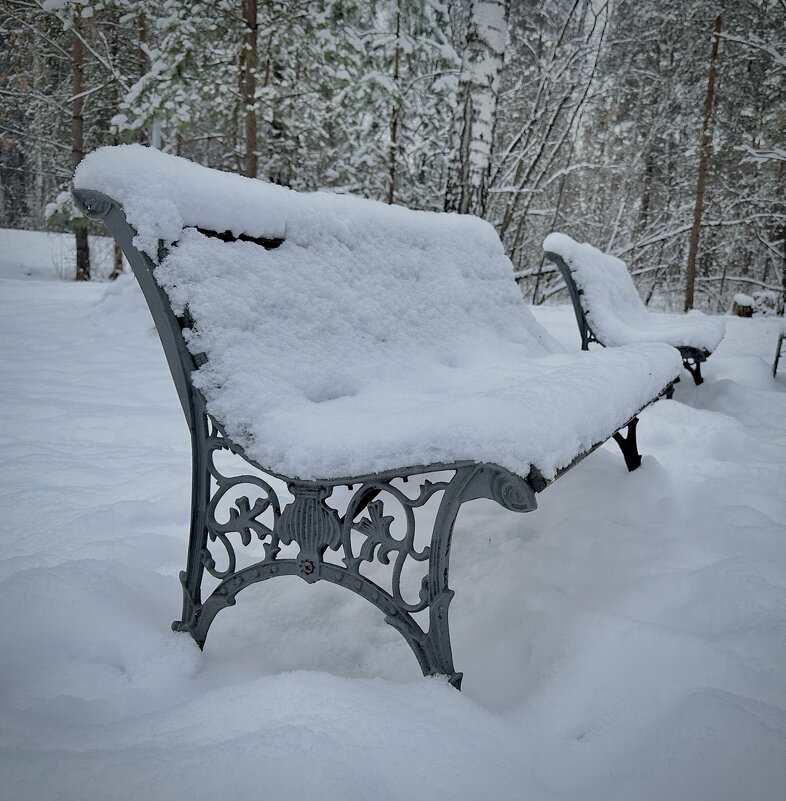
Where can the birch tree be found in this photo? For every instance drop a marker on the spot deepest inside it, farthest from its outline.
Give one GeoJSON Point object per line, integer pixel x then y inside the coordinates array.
{"type": "Point", "coordinates": [481, 64]}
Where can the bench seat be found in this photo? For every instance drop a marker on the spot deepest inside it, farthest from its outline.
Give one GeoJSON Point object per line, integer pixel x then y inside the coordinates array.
{"type": "Point", "coordinates": [372, 338]}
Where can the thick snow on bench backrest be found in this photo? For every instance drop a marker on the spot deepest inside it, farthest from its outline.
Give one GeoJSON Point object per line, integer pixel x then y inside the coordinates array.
{"type": "Point", "coordinates": [609, 297]}
{"type": "Point", "coordinates": [358, 296]}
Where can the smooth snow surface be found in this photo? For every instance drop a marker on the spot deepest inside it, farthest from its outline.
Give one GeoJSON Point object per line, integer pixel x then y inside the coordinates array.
{"type": "Point", "coordinates": [624, 641]}
{"type": "Point", "coordinates": [614, 309]}
{"type": "Point", "coordinates": [374, 338]}
{"type": "Point", "coordinates": [50, 256]}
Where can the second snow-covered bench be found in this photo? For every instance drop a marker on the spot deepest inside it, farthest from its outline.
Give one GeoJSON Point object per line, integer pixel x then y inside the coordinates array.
{"type": "Point", "coordinates": [333, 341]}
{"type": "Point", "coordinates": [609, 310]}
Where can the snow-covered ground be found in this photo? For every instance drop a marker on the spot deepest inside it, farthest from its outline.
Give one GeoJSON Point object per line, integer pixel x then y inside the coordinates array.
{"type": "Point", "coordinates": [49, 256]}
{"type": "Point", "coordinates": [626, 640]}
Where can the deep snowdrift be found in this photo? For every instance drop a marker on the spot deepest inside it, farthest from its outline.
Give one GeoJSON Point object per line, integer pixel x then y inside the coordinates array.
{"type": "Point", "coordinates": [623, 641]}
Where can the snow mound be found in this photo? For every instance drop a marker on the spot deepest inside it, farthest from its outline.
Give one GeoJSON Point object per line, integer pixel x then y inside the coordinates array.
{"type": "Point", "coordinates": [614, 309]}
{"type": "Point", "coordinates": [374, 338]}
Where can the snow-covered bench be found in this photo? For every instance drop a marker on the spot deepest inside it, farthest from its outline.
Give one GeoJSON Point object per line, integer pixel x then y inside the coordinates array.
{"type": "Point", "coordinates": [609, 310]}
{"type": "Point", "coordinates": [329, 341]}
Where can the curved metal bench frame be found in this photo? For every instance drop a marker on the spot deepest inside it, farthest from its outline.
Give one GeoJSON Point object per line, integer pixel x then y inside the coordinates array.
{"type": "Point", "coordinates": [307, 520]}
{"type": "Point", "coordinates": [691, 357]}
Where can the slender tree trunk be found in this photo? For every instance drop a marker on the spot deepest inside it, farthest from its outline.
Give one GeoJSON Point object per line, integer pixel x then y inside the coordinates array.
{"type": "Point", "coordinates": [39, 193]}
{"type": "Point", "coordinates": [151, 136]}
{"type": "Point", "coordinates": [117, 262]}
{"type": "Point", "coordinates": [482, 62]}
{"type": "Point", "coordinates": [704, 153]}
{"type": "Point", "coordinates": [782, 300]}
{"type": "Point", "coordinates": [394, 114]}
{"type": "Point", "coordinates": [553, 226]}
{"type": "Point", "coordinates": [77, 143]}
{"type": "Point", "coordinates": [249, 86]}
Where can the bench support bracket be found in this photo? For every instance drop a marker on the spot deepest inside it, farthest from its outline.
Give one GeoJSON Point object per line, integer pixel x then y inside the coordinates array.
{"type": "Point", "coordinates": [691, 361]}
{"type": "Point", "coordinates": [629, 446]}
{"type": "Point", "coordinates": [239, 509]}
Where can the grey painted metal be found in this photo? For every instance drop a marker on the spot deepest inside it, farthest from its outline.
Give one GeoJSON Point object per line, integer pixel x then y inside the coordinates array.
{"type": "Point", "coordinates": [316, 528]}
{"type": "Point", "coordinates": [308, 521]}
{"type": "Point", "coordinates": [777, 354]}
{"type": "Point", "coordinates": [629, 446]}
{"type": "Point", "coordinates": [691, 357]}
{"type": "Point", "coordinates": [575, 293]}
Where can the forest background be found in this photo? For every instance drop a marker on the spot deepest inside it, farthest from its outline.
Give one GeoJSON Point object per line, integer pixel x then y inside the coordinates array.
{"type": "Point", "coordinates": [655, 129]}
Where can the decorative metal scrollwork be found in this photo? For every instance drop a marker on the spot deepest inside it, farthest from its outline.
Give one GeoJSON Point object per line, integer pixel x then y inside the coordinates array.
{"type": "Point", "coordinates": [243, 517]}
{"type": "Point", "coordinates": [375, 527]}
{"type": "Point", "coordinates": [363, 535]}
{"type": "Point", "coordinates": [313, 525]}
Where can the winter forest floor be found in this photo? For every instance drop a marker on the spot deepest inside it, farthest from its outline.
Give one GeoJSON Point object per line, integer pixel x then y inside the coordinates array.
{"type": "Point", "coordinates": [624, 641]}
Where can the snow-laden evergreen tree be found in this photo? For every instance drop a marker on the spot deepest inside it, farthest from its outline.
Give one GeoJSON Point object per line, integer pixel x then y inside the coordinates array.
{"type": "Point", "coordinates": [395, 71]}
{"type": "Point", "coordinates": [596, 131]}
{"type": "Point", "coordinates": [55, 112]}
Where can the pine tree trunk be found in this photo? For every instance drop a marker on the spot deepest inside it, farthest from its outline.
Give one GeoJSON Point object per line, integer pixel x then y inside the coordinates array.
{"type": "Point", "coordinates": [117, 262]}
{"type": "Point", "coordinates": [394, 116]}
{"type": "Point", "coordinates": [77, 143]}
{"type": "Point", "coordinates": [482, 62]}
{"type": "Point", "coordinates": [249, 86]}
{"type": "Point", "coordinates": [782, 300]}
{"type": "Point", "coordinates": [704, 153]}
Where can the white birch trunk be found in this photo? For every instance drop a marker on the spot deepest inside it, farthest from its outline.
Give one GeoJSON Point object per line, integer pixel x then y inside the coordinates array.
{"type": "Point", "coordinates": [482, 62]}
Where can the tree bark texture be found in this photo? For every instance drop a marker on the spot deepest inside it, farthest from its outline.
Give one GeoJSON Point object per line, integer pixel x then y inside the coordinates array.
{"type": "Point", "coordinates": [394, 115]}
{"type": "Point", "coordinates": [77, 141]}
{"type": "Point", "coordinates": [704, 154]}
{"type": "Point", "coordinates": [249, 86]}
{"type": "Point", "coordinates": [482, 62]}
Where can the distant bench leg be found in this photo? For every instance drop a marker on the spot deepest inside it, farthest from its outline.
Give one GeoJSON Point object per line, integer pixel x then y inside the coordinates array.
{"type": "Point", "coordinates": [629, 446]}
{"type": "Point", "coordinates": [693, 366]}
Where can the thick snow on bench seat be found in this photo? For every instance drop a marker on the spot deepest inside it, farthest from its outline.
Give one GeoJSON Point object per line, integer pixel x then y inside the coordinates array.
{"type": "Point", "coordinates": [375, 337]}
{"type": "Point", "coordinates": [614, 309]}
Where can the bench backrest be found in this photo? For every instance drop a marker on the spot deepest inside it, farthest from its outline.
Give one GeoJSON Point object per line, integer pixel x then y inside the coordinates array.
{"type": "Point", "coordinates": [607, 294]}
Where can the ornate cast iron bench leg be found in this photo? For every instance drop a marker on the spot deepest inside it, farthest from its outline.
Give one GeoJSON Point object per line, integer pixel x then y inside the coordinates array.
{"type": "Point", "coordinates": [315, 528]}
